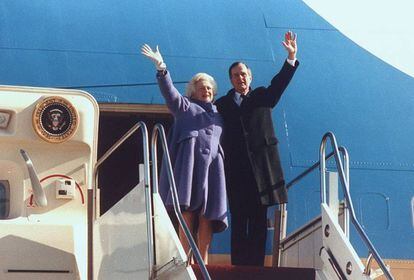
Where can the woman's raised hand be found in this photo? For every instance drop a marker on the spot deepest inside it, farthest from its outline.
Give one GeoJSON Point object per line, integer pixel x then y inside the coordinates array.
{"type": "Point", "coordinates": [155, 56]}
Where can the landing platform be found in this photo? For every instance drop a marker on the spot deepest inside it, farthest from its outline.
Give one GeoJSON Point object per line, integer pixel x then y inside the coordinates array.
{"type": "Point", "coordinates": [232, 272]}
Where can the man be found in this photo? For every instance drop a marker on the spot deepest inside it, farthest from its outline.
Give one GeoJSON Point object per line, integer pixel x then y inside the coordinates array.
{"type": "Point", "coordinates": [254, 174]}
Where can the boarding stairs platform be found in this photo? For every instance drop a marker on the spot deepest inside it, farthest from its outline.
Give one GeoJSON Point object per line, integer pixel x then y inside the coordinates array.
{"type": "Point", "coordinates": [51, 226]}
{"type": "Point", "coordinates": [319, 250]}
{"type": "Point", "coordinates": [233, 272]}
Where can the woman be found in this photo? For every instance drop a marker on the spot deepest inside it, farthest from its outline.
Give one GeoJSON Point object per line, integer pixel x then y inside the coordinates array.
{"type": "Point", "coordinates": [196, 155]}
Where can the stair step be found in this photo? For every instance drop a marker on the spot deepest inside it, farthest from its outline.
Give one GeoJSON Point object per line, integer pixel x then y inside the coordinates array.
{"type": "Point", "coordinates": [233, 272]}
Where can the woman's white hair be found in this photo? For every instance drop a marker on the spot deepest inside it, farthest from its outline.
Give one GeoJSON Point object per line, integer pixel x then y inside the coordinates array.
{"type": "Point", "coordinates": [191, 86]}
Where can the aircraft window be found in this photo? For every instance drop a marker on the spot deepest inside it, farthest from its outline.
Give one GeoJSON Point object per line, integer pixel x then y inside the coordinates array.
{"type": "Point", "coordinates": [4, 199]}
{"type": "Point", "coordinates": [375, 211]}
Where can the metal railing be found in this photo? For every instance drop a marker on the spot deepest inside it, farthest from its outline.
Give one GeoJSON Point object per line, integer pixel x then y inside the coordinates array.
{"type": "Point", "coordinates": [345, 188]}
{"type": "Point", "coordinates": [148, 201]}
{"type": "Point", "coordinates": [159, 130]}
{"type": "Point", "coordinates": [302, 175]}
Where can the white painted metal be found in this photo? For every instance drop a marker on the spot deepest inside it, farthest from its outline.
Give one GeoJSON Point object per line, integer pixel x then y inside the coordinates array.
{"type": "Point", "coordinates": [120, 239]}
{"type": "Point", "coordinates": [145, 175]}
{"type": "Point", "coordinates": [171, 260]}
{"type": "Point", "coordinates": [333, 193]}
{"type": "Point", "coordinates": [319, 275]}
{"type": "Point", "coordinates": [338, 246]}
{"type": "Point", "coordinates": [45, 242]}
{"type": "Point", "coordinates": [301, 248]}
{"type": "Point", "coordinates": [51, 242]}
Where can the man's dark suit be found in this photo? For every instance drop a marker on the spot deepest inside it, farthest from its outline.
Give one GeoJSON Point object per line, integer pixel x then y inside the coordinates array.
{"type": "Point", "coordinates": [254, 175]}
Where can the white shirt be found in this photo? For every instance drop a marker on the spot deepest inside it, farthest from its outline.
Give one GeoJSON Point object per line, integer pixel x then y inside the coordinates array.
{"type": "Point", "coordinates": [237, 96]}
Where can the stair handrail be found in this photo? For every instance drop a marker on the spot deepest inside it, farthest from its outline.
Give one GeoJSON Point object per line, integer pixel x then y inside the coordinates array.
{"type": "Point", "coordinates": [148, 201]}
{"type": "Point", "coordinates": [159, 130]}
{"type": "Point", "coordinates": [367, 269]}
{"type": "Point", "coordinates": [345, 188]}
{"type": "Point", "coordinates": [302, 175]}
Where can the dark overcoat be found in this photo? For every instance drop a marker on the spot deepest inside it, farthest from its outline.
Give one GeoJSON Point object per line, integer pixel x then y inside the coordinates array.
{"type": "Point", "coordinates": [250, 145]}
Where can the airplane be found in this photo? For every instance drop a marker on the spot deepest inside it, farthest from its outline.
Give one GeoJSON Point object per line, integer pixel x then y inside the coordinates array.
{"type": "Point", "coordinates": [355, 79]}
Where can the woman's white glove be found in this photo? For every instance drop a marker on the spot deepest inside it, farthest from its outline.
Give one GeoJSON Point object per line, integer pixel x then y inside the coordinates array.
{"type": "Point", "coordinates": [155, 56]}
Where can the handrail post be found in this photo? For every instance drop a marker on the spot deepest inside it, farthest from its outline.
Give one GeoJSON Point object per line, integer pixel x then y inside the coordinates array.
{"type": "Point", "coordinates": [148, 201]}
{"type": "Point", "coordinates": [345, 155]}
{"type": "Point", "coordinates": [154, 157]}
{"type": "Point", "coordinates": [282, 231]}
{"type": "Point", "coordinates": [367, 269]}
{"type": "Point", "coordinates": [158, 129]}
{"type": "Point", "coordinates": [322, 168]}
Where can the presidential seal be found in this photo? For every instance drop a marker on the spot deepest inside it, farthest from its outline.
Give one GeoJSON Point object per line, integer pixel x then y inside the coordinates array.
{"type": "Point", "coordinates": [55, 119]}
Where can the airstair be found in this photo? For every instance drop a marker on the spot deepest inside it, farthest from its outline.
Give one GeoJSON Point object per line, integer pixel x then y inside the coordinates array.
{"type": "Point", "coordinates": [51, 226]}
{"type": "Point", "coordinates": [324, 242]}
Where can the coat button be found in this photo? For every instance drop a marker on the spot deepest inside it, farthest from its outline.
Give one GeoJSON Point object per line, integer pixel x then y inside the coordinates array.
{"type": "Point", "coordinates": [205, 151]}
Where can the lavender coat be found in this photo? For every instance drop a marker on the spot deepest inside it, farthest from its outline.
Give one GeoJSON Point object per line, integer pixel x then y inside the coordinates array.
{"type": "Point", "coordinates": [196, 156]}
